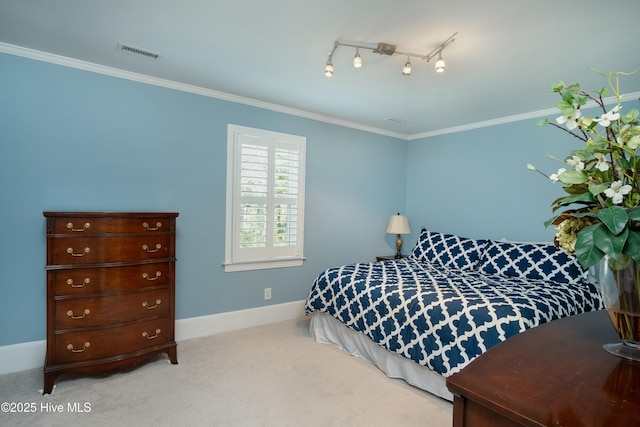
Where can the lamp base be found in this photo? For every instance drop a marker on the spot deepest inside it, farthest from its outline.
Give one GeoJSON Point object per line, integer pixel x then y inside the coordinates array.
{"type": "Point", "coordinates": [398, 247]}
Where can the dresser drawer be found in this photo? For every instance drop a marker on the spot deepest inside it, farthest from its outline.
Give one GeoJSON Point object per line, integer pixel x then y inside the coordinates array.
{"type": "Point", "coordinates": [92, 281]}
{"type": "Point", "coordinates": [95, 311]}
{"type": "Point", "coordinates": [99, 343]}
{"type": "Point", "coordinates": [91, 250]}
{"type": "Point", "coordinates": [93, 226]}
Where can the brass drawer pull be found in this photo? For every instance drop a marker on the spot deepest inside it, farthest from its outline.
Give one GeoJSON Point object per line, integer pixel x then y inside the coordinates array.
{"type": "Point", "coordinates": [146, 225]}
{"type": "Point", "coordinates": [86, 225]}
{"type": "Point", "coordinates": [71, 349]}
{"type": "Point", "coordinates": [146, 248]}
{"type": "Point", "coordinates": [83, 253]}
{"type": "Point", "coordinates": [146, 276]}
{"type": "Point", "coordinates": [151, 307]}
{"type": "Point", "coordinates": [84, 283]}
{"type": "Point", "coordinates": [84, 313]}
{"type": "Point", "coordinates": [150, 337]}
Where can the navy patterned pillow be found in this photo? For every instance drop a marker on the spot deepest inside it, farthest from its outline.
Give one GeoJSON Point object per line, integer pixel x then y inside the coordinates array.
{"type": "Point", "coordinates": [448, 250]}
{"type": "Point", "coordinates": [531, 260]}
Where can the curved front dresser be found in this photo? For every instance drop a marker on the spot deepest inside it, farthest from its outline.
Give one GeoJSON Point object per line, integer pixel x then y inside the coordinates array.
{"type": "Point", "coordinates": [110, 290]}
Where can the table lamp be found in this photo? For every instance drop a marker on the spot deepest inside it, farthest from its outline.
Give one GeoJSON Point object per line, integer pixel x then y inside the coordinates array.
{"type": "Point", "coordinates": [398, 224]}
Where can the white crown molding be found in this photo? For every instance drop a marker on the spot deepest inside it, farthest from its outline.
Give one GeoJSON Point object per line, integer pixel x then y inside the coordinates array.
{"type": "Point", "coordinates": [143, 78]}
{"type": "Point", "coordinates": [30, 355]}
{"type": "Point", "coordinates": [518, 117]}
{"type": "Point", "coordinates": [478, 125]}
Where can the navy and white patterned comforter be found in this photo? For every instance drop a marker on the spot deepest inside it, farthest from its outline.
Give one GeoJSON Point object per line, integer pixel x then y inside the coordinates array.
{"type": "Point", "coordinates": [439, 317]}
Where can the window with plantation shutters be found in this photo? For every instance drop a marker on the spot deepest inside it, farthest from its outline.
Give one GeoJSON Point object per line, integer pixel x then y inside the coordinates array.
{"type": "Point", "coordinates": [265, 199]}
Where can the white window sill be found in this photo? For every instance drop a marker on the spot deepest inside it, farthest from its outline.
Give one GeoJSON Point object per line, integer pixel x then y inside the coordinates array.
{"type": "Point", "coordinates": [262, 265]}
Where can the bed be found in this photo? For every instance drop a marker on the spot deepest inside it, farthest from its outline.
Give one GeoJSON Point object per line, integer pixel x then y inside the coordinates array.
{"type": "Point", "coordinates": [425, 317]}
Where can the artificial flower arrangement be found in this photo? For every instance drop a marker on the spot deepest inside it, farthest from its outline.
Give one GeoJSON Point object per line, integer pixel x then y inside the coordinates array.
{"type": "Point", "coordinates": [600, 214]}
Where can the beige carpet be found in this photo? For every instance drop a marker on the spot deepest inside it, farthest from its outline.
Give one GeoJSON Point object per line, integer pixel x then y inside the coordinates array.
{"type": "Point", "coordinates": [273, 375]}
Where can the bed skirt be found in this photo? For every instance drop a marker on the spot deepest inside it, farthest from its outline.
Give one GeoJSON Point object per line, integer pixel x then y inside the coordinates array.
{"type": "Point", "coordinates": [327, 330]}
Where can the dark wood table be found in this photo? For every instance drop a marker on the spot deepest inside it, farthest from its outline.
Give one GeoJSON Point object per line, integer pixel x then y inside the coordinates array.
{"type": "Point", "coordinates": [557, 374]}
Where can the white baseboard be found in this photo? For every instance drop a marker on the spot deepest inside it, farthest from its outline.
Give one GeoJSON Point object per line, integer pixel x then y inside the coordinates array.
{"type": "Point", "coordinates": [30, 355]}
{"type": "Point", "coordinates": [195, 327]}
{"type": "Point", "coordinates": [23, 356]}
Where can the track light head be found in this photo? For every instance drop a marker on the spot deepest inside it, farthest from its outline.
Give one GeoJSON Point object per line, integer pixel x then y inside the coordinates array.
{"type": "Point", "coordinates": [357, 60]}
{"type": "Point", "coordinates": [328, 69]}
{"type": "Point", "coordinates": [406, 69]}
{"type": "Point", "coordinates": [440, 65]}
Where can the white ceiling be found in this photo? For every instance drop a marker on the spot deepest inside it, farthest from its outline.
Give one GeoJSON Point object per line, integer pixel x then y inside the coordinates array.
{"type": "Point", "coordinates": [501, 64]}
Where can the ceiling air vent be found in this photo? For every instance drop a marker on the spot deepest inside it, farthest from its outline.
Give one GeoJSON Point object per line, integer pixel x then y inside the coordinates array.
{"type": "Point", "coordinates": [137, 51]}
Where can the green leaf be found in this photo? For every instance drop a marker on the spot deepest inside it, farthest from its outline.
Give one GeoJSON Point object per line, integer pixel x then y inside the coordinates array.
{"type": "Point", "coordinates": [573, 88]}
{"type": "Point", "coordinates": [592, 125]}
{"type": "Point", "coordinates": [632, 248]}
{"type": "Point", "coordinates": [630, 116]}
{"type": "Point", "coordinates": [634, 213]}
{"type": "Point", "coordinates": [586, 251]}
{"type": "Point", "coordinates": [597, 189]}
{"type": "Point", "coordinates": [583, 100]}
{"type": "Point", "coordinates": [548, 222]}
{"type": "Point", "coordinates": [586, 197]}
{"type": "Point", "coordinates": [584, 153]}
{"type": "Point", "coordinates": [531, 167]}
{"type": "Point", "coordinates": [573, 177]}
{"type": "Point", "coordinates": [615, 218]}
{"type": "Point", "coordinates": [575, 189]}
{"type": "Point", "coordinates": [557, 87]}
{"type": "Point", "coordinates": [543, 122]}
{"type": "Point", "coordinates": [566, 108]}
{"type": "Point", "coordinates": [610, 244]}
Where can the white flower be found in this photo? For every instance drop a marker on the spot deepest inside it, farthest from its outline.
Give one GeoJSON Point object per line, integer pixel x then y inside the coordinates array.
{"type": "Point", "coordinates": [576, 162]}
{"type": "Point", "coordinates": [616, 191]}
{"type": "Point", "coordinates": [606, 119]}
{"type": "Point", "coordinates": [602, 164]}
{"type": "Point", "coordinates": [571, 120]}
{"type": "Point", "coordinates": [554, 176]}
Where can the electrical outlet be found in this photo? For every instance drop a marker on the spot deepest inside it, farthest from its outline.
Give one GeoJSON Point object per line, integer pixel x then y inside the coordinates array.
{"type": "Point", "coordinates": [267, 293]}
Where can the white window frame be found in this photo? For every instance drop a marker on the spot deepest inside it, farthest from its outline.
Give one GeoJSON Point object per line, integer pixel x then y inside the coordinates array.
{"type": "Point", "coordinates": [242, 259]}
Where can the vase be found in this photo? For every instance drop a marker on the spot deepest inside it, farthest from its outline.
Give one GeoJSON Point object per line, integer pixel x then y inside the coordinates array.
{"type": "Point", "coordinates": [618, 281]}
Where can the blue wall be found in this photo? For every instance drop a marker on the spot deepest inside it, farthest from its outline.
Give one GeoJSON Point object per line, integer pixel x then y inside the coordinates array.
{"type": "Point", "coordinates": [476, 183]}
{"type": "Point", "coordinates": [75, 140]}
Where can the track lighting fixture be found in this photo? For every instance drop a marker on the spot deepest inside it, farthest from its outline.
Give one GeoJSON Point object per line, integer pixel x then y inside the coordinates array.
{"type": "Point", "coordinates": [390, 50]}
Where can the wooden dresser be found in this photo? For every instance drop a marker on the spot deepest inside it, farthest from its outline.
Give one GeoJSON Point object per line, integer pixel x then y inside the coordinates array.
{"type": "Point", "coordinates": [110, 290]}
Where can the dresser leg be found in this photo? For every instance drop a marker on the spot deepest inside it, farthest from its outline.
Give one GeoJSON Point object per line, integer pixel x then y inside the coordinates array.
{"type": "Point", "coordinates": [173, 355]}
{"type": "Point", "coordinates": [49, 380]}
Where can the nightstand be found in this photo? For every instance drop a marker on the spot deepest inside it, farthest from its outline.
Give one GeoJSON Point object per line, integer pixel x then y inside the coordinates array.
{"type": "Point", "coordinates": [388, 257]}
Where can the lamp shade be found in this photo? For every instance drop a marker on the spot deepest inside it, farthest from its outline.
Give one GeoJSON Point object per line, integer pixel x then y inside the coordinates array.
{"type": "Point", "coordinates": [398, 224]}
